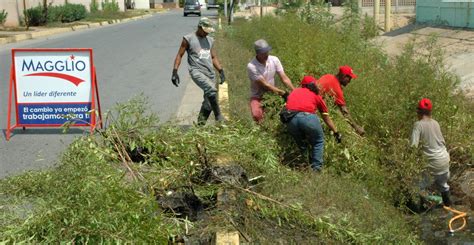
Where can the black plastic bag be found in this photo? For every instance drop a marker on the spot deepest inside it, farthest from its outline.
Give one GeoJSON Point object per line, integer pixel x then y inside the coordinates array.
{"type": "Point", "coordinates": [286, 115]}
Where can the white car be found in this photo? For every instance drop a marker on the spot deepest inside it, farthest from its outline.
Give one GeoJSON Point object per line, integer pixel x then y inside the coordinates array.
{"type": "Point", "coordinates": [212, 4]}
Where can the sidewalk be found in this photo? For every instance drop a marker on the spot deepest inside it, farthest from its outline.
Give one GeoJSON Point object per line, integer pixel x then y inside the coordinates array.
{"type": "Point", "coordinates": [41, 31]}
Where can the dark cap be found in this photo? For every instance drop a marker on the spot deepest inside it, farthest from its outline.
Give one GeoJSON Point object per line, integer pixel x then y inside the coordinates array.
{"type": "Point", "coordinates": [261, 46]}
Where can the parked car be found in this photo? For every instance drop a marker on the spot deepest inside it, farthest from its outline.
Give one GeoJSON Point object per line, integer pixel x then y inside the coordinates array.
{"type": "Point", "coordinates": [212, 4]}
{"type": "Point", "coordinates": [192, 7]}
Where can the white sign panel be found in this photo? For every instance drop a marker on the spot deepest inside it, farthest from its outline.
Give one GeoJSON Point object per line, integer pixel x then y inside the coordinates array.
{"type": "Point", "coordinates": [53, 86]}
{"type": "Point", "coordinates": [53, 77]}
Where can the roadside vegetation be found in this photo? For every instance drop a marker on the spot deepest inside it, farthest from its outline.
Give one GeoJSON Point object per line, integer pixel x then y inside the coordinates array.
{"type": "Point", "coordinates": [3, 17]}
{"type": "Point", "coordinates": [49, 15]}
{"type": "Point", "coordinates": [383, 98]}
{"type": "Point", "coordinates": [104, 190]}
{"type": "Point", "coordinates": [112, 186]}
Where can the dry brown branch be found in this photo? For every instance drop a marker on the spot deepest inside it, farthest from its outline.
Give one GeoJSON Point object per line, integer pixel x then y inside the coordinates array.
{"type": "Point", "coordinates": [119, 146]}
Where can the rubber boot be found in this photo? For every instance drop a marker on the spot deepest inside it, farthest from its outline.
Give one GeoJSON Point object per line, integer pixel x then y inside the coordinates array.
{"type": "Point", "coordinates": [215, 108]}
{"type": "Point", "coordinates": [446, 198]}
{"type": "Point", "coordinates": [204, 114]}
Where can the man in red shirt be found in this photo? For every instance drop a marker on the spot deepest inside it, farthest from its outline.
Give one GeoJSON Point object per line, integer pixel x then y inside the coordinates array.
{"type": "Point", "coordinates": [305, 124]}
{"type": "Point", "coordinates": [331, 85]}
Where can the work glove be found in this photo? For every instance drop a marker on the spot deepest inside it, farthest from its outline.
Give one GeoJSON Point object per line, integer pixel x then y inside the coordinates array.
{"type": "Point", "coordinates": [285, 96]}
{"type": "Point", "coordinates": [338, 137]}
{"type": "Point", "coordinates": [222, 76]}
{"type": "Point", "coordinates": [175, 77]}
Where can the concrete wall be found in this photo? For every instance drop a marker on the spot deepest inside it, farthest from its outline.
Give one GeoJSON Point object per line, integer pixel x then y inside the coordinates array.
{"type": "Point", "coordinates": [164, 4]}
{"type": "Point", "coordinates": [15, 8]}
{"type": "Point", "coordinates": [142, 4]}
{"type": "Point", "coordinates": [455, 14]}
{"type": "Point", "coordinates": [11, 7]}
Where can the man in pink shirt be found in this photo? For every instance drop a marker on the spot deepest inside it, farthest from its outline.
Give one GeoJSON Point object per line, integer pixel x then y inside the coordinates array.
{"type": "Point", "coordinates": [331, 85]}
{"type": "Point", "coordinates": [261, 71]}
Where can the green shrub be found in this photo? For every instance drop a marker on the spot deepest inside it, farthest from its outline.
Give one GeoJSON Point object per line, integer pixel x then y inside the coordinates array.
{"type": "Point", "coordinates": [316, 14]}
{"type": "Point", "coordinates": [73, 12]}
{"type": "Point", "coordinates": [293, 4]}
{"type": "Point", "coordinates": [55, 13]}
{"type": "Point", "coordinates": [3, 16]}
{"type": "Point", "coordinates": [35, 16]}
{"type": "Point", "coordinates": [369, 27]}
{"type": "Point", "coordinates": [94, 6]}
{"type": "Point", "coordinates": [110, 7]}
{"type": "Point", "coordinates": [63, 13]}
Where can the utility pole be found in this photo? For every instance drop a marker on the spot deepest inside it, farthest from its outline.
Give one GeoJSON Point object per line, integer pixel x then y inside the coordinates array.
{"type": "Point", "coordinates": [388, 11]}
{"type": "Point", "coordinates": [225, 8]}
{"type": "Point", "coordinates": [376, 10]}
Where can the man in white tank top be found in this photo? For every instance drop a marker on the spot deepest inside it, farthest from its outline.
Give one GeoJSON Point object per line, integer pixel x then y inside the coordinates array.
{"type": "Point", "coordinates": [202, 59]}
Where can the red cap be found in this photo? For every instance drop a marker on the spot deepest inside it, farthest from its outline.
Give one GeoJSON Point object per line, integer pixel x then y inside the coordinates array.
{"type": "Point", "coordinates": [347, 70]}
{"type": "Point", "coordinates": [308, 80]}
{"type": "Point", "coordinates": [425, 104]}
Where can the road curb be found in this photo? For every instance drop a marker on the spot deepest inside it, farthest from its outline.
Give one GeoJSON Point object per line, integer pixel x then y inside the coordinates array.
{"type": "Point", "coordinates": [92, 25]}
{"type": "Point", "coordinates": [27, 36]}
{"type": "Point", "coordinates": [79, 27]}
{"type": "Point", "coordinates": [223, 96]}
{"type": "Point", "coordinates": [49, 32]}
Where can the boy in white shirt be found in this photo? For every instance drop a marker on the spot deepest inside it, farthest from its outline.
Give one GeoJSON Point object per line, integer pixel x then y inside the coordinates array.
{"type": "Point", "coordinates": [427, 130]}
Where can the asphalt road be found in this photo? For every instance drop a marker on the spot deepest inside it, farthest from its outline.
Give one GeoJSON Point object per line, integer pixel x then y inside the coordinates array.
{"type": "Point", "coordinates": [131, 58]}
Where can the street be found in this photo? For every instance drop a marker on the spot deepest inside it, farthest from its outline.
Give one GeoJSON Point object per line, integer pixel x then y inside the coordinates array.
{"type": "Point", "coordinates": [130, 58]}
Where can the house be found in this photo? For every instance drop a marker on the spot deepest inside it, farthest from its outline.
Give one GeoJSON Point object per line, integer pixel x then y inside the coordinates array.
{"type": "Point", "coordinates": [454, 13]}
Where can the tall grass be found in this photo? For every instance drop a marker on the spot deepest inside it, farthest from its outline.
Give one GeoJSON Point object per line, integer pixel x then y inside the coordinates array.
{"type": "Point", "coordinates": [96, 195]}
{"type": "Point", "coordinates": [383, 99]}
{"type": "Point", "coordinates": [105, 188]}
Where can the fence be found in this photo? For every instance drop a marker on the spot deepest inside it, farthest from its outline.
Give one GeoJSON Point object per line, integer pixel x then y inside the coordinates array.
{"type": "Point", "coordinates": [395, 3]}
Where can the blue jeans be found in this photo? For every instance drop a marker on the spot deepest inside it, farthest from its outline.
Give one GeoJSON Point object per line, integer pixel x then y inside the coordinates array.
{"type": "Point", "coordinates": [307, 127]}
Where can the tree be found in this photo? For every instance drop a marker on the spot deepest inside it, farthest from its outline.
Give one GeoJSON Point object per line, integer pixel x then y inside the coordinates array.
{"type": "Point", "coordinates": [45, 9]}
{"type": "Point", "coordinates": [27, 22]}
